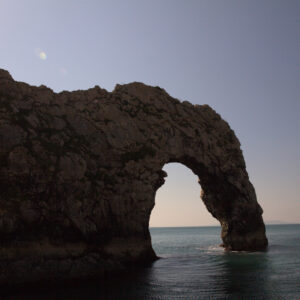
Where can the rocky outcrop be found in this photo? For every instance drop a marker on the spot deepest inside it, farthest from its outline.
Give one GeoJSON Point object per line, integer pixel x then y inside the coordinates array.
{"type": "Point", "coordinates": [79, 172]}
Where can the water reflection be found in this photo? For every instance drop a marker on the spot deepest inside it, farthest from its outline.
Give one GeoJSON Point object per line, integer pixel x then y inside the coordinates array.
{"type": "Point", "coordinates": [131, 284]}
{"type": "Point", "coordinates": [196, 268]}
{"type": "Point", "coordinates": [206, 275]}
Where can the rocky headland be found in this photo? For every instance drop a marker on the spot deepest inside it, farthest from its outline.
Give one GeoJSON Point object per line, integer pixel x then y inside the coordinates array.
{"type": "Point", "coordinates": [79, 172]}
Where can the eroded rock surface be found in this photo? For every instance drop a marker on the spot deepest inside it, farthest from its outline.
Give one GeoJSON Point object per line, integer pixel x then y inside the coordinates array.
{"type": "Point", "coordinates": [79, 172]}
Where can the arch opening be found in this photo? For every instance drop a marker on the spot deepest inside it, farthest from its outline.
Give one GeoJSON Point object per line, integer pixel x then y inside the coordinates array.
{"type": "Point", "coordinates": [178, 202]}
{"type": "Point", "coordinates": [179, 212]}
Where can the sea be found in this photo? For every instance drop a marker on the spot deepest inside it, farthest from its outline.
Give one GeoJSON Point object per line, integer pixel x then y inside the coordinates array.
{"type": "Point", "coordinates": [193, 266]}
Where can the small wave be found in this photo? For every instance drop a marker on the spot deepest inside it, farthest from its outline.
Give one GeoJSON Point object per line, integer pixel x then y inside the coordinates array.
{"type": "Point", "coordinates": [211, 249]}
{"type": "Point", "coordinates": [216, 248]}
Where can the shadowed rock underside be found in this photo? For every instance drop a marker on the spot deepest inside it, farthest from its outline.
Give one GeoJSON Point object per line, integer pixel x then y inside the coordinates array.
{"type": "Point", "coordinates": [79, 172]}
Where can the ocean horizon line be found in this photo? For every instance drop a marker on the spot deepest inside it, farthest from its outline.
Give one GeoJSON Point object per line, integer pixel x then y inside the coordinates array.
{"type": "Point", "coordinates": [196, 226]}
{"type": "Point", "coordinates": [185, 226]}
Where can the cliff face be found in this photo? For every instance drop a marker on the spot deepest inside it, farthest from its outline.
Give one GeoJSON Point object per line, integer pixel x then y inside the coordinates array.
{"type": "Point", "coordinates": [79, 172]}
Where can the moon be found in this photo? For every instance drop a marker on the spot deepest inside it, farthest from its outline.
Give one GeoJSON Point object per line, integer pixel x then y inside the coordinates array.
{"type": "Point", "coordinates": [42, 55]}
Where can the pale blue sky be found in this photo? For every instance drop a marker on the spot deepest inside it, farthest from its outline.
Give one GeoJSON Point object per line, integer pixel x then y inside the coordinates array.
{"type": "Point", "coordinates": [240, 57]}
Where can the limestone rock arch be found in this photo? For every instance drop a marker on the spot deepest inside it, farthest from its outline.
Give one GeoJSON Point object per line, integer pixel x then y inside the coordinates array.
{"type": "Point", "coordinates": [79, 173]}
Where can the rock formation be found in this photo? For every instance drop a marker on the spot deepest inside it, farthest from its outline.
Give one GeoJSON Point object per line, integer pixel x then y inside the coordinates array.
{"type": "Point", "coordinates": [79, 172]}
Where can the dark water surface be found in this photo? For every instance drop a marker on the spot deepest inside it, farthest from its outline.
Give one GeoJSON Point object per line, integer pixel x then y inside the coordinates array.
{"type": "Point", "coordinates": [193, 266]}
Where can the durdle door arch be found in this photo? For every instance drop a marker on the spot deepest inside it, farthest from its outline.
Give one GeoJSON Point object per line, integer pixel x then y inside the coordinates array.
{"type": "Point", "coordinates": [79, 172]}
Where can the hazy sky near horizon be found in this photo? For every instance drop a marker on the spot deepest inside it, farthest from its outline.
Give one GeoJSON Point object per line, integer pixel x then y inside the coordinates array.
{"type": "Point", "coordinates": [240, 57]}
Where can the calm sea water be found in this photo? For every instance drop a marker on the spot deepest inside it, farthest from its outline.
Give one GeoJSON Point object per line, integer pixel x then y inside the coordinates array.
{"type": "Point", "coordinates": [193, 266]}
